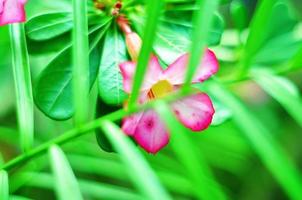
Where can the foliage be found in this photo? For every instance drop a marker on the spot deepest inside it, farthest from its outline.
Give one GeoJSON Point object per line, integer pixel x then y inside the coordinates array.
{"type": "Point", "coordinates": [65, 60]}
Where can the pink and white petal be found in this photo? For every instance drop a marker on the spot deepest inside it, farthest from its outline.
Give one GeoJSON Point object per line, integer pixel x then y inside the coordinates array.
{"type": "Point", "coordinates": [195, 112]}
{"type": "Point", "coordinates": [130, 123]}
{"type": "Point", "coordinates": [1, 6]}
{"type": "Point", "coordinates": [176, 72]}
{"type": "Point", "coordinates": [151, 133]}
{"type": "Point", "coordinates": [12, 11]}
{"type": "Point", "coordinates": [127, 71]}
{"type": "Point", "coordinates": [152, 76]}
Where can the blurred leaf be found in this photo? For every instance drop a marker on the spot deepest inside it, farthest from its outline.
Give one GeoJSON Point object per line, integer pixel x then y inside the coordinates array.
{"type": "Point", "coordinates": [256, 36]}
{"type": "Point", "coordinates": [14, 197]}
{"type": "Point", "coordinates": [23, 86]}
{"type": "Point", "coordinates": [134, 162]}
{"type": "Point", "coordinates": [109, 77]}
{"type": "Point", "coordinates": [239, 14]}
{"type": "Point", "coordinates": [173, 37]}
{"type": "Point", "coordinates": [49, 25]}
{"type": "Point", "coordinates": [195, 165]}
{"type": "Point", "coordinates": [269, 151]}
{"type": "Point", "coordinates": [66, 184]}
{"type": "Point", "coordinates": [93, 189]}
{"type": "Point", "coordinates": [4, 187]}
{"type": "Point", "coordinates": [102, 109]}
{"type": "Point", "coordinates": [222, 113]}
{"type": "Point", "coordinates": [280, 42]}
{"type": "Point", "coordinates": [281, 89]}
{"type": "Point", "coordinates": [53, 91]}
{"type": "Point", "coordinates": [296, 62]}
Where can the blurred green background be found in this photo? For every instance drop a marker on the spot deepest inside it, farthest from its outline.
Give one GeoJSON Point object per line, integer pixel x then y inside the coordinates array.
{"type": "Point", "coordinates": [226, 148]}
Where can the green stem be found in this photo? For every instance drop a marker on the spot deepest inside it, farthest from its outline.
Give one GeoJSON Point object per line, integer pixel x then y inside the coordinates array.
{"type": "Point", "coordinates": [80, 60]}
{"type": "Point", "coordinates": [22, 78]}
{"type": "Point", "coordinates": [84, 129]}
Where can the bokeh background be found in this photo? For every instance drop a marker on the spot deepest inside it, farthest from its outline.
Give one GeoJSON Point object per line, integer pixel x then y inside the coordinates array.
{"type": "Point", "coordinates": [224, 148]}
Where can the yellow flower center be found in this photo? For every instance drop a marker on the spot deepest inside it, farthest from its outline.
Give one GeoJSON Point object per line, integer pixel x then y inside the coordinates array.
{"type": "Point", "coordinates": [160, 89]}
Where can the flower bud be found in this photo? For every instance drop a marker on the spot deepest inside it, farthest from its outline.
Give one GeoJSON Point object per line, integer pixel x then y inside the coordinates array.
{"type": "Point", "coordinates": [133, 43]}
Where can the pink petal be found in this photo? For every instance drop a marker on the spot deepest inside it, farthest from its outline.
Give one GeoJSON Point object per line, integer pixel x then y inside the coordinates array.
{"type": "Point", "coordinates": [195, 112]}
{"type": "Point", "coordinates": [12, 11]}
{"type": "Point", "coordinates": [129, 124]}
{"type": "Point", "coordinates": [151, 133]}
{"type": "Point", "coordinates": [153, 74]}
{"type": "Point", "coordinates": [176, 72]}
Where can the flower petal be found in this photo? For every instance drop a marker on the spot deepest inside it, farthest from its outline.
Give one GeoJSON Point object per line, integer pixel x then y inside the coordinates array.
{"type": "Point", "coordinates": [195, 112]}
{"type": "Point", "coordinates": [176, 72]}
{"type": "Point", "coordinates": [130, 123]}
{"type": "Point", "coordinates": [151, 133]}
{"type": "Point", "coordinates": [153, 74]}
{"type": "Point", "coordinates": [12, 11]}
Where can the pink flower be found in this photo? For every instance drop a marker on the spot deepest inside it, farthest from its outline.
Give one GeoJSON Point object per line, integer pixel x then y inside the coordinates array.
{"type": "Point", "coordinates": [12, 11]}
{"type": "Point", "coordinates": [195, 111]}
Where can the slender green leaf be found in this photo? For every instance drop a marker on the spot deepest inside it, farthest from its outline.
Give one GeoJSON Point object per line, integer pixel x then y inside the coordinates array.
{"type": "Point", "coordinates": [296, 62]}
{"type": "Point", "coordinates": [239, 14]}
{"type": "Point", "coordinates": [281, 89]}
{"type": "Point", "coordinates": [23, 87]}
{"type": "Point", "coordinates": [195, 165]}
{"type": "Point", "coordinates": [93, 189]}
{"type": "Point", "coordinates": [153, 11]}
{"type": "Point", "coordinates": [256, 35]}
{"type": "Point", "coordinates": [4, 187]}
{"type": "Point", "coordinates": [109, 78]}
{"type": "Point", "coordinates": [267, 148]}
{"type": "Point", "coordinates": [80, 55]}
{"type": "Point", "coordinates": [15, 197]}
{"type": "Point", "coordinates": [202, 22]}
{"type": "Point", "coordinates": [134, 162]}
{"type": "Point", "coordinates": [66, 184]}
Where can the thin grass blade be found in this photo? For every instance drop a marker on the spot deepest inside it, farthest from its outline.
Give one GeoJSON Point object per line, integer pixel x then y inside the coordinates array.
{"type": "Point", "coordinates": [23, 86]}
{"type": "Point", "coordinates": [283, 90]}
{"type": "Point", "coordinates": [138, 169]}
{"type": "Point", "coordinates": [202, 22]}
{"type": "Point", "coordinates": [4, 187]}
{"type": "Point", "coordinates": [256, 35]}
{"type": "Point", "coordinates": [267, 148]}
{"type": "Point", "coordinates": [154, 13]}
{"type": "Point", "coordinates": [80, 60]}
{"type": "Point", "coordinates": [66, 184]}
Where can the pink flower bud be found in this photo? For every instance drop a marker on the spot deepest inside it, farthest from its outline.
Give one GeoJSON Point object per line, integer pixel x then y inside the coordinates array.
{"type": "Point", "coordinates": [133, 43]}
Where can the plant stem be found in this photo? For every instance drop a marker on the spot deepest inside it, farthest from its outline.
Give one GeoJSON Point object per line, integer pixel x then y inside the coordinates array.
{"type": "Point", "coordinates": [80, 61]}
{"type": "Point", "coordinates": [84, 129]}
{"type": "Point", "coordinates": [23, 87]}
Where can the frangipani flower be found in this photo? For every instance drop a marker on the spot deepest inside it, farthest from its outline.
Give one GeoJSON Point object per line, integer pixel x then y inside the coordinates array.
{"type": "Point", "coordinates": [12, 11]}
{"type": "Point", "coordinates": [195, 111]}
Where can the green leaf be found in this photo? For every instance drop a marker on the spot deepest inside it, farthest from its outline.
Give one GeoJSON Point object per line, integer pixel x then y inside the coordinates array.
{"type": "Point", "coordinates": [66, 184]}
{"type": "Point", "coordinates": [281, 42]}
{"type": "Point", "coordinates": [239, 14]}
{"type": "Point", "coordinates": [134, 162]}
{"type": "Point", "coordinates": [202, 21]}
{"type": "Point", "coordinates": [153, 15]}
{"type": "Point", "coordinates": [173, 37]}
{"type": "Point", "coordinates": [281, 89]}
{"type": "Point", "coordinates": [23, 86]}
{"type": "Point", "coordinates": [4, 187]}
{"type": "Point", "coordinates": [109, 78]}
{"type": "Point", "coordinates": [267, 148]}
{"type": "Point", "coordinates": [49, 25]}
{"type": "Point", "coordinates": [53, 91]}
{"type": "Point", "coordinates": [196, 167]}
{"type": "Point", "coordinates": [102, 109]}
